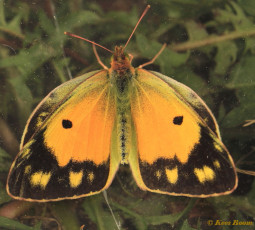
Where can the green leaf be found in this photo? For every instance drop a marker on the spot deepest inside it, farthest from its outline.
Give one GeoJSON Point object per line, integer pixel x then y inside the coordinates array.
{"type": "Point", "coordinates": [64, 213]}
{"type": "Point", "coordinates": [235, 15]}
{"type": "Point", "coordinates": [9, 224]}
{"type": "Point", "coordinates": [195, 31]}
{"type": "Point", "coordinates": [23, 97]}
{"type": "Point", "coordinates": [186, 226]}
{"type": "Point", "coordinates": [4, 197]}
{"type": "Point", "coordinates": [242, 79]}
{"type": "Point", "coordinates": [28, 60]}
{"type": "Point", "coordinates": [167, 60]}
{"type": "Point", "coordinates": [5, 161]}
{"type": "Point", "coordinates": [243, 74]}
{"type": "Point", "coordinates": [248, 6]}
{"type": "Point", "coordinates": [2, 14]}
{"type": "Point", "coordinates": [12, 27]}
{"type": "Point", "coordinates": [3, 154]}
{"type": "Point", "coordinates": [244, 111]}
{"type": "Point", "coordinates": [103, 218]}
{"type": "Point", "coordinates": [226, 56]}
{"type": "Point", "coordinates": [80, 18]}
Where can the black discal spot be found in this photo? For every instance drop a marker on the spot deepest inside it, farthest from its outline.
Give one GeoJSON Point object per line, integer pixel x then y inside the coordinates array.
{"type": "Point", "coordinates": [67, 124]}
{"type": "Point", "coordinates": [178, 120]}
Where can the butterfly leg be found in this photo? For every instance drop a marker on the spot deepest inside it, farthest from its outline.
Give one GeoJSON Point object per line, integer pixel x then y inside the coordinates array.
{"type": "Point", "coordinates": [98, 58]}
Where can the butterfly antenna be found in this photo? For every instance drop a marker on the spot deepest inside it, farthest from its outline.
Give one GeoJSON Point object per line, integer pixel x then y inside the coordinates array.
{"type": "Point", "coordinates": [87, 40]}
{"type": "Point", "coordinates": [143, 14]}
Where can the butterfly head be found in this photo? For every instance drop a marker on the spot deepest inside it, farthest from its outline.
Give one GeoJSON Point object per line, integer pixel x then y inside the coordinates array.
{"type": "Point", "coordinates": [120, 61]}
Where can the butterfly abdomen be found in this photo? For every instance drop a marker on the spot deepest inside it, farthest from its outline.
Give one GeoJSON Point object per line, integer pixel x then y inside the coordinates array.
{"type": "Point", "coordinates": [123, 117]}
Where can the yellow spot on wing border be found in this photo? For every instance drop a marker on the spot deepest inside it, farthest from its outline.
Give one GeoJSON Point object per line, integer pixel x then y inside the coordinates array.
{"type": "Point", "coordinates": [216, 164]}
{"type": "Point", "coordinates": [204, 174]}
{"type": "Point", "coordinates": [209, 173]}
{"type": "Point", "coordinates": [172, 175]}
{"type": "Point", "coordinates": [158, 174]}
{"type": "Point", "coordinates": [40, 179]}
{"type": "Point", "coordinates": [218, 146]}
{"type": "Point", "coordinates": [27, 169]}
{"type": "Point", "coordinates": [41, 118]}
{"type": "Point", "coordinates": [45, 179]}
{"type": "Point", "coordinates": [200, 175]}
{"type": "Point", "coordinates": [91, 177]}
{"type": "Point", "coordinates": [75, 178]}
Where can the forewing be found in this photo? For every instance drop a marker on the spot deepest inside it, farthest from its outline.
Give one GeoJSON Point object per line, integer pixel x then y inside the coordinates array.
{"type": "Point", "coordinates": [65, 152]}
{"type": "Point", "coordinates": [178, 146]}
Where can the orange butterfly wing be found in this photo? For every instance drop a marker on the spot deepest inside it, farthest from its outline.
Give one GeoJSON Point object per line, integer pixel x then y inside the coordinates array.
{"type": "Point", "coordinates": [67, 142]}
{"type": "Point", "coordinates": [178, 143]}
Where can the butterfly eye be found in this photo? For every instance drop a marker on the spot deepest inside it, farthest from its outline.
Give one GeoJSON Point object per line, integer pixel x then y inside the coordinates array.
{"type": "Point", "coordinates": [67, 124]}
{"type": "Point", "coordinates": [178, 120]}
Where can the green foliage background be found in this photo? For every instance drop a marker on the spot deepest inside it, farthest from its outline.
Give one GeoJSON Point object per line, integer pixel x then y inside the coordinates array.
{"type": "Point", "coordinates": [210, 48]}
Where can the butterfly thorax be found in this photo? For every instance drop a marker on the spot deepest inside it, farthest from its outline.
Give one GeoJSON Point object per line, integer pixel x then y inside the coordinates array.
{"type": "Point", "coordinates": [121, 62]}
{"type": "Point", "coordinates": [121, 72]}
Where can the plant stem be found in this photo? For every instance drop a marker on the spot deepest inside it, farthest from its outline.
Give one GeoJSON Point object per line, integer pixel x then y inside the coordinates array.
{"type": "Point", "coordinates": [212, 40]}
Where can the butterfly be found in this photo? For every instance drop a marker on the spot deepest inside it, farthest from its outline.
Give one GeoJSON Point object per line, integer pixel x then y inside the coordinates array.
{"type": "Point", "coordinates": [80, 133]}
